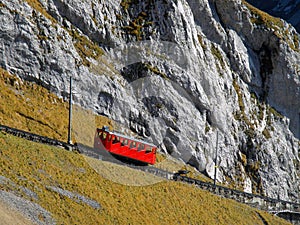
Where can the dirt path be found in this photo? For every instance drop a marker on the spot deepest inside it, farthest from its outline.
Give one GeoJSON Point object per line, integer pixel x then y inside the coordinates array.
{"type": "Point", "coordinates": [9, 216]}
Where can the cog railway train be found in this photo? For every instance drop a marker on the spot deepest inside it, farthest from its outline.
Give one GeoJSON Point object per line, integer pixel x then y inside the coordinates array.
{"type": "Point", "coordinates": [124, 146]}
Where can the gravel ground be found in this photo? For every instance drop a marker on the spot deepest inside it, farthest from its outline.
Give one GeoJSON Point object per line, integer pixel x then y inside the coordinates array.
{"type": "Point", "coordinates": [123, 175]}
{"type": "Point", "coordinates": [30, 210]}
{"type": "Point", "coordinates": [12, 217]}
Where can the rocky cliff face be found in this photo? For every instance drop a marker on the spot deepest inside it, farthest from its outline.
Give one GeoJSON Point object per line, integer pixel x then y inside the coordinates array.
{"type": "Point", "coordinates": [185, 74]}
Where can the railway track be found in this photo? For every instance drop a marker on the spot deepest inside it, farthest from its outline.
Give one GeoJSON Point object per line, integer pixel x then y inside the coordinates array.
{"type": "Point", "coordinates": [35, 137]}
{"type": "Point", "coordinates": [83, 149]}
{"type": "Point", "coordinates": [262, 202]}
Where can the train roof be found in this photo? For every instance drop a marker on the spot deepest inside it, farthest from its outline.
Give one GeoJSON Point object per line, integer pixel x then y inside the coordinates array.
{"type": "Point", "coordinates": [127, 137]}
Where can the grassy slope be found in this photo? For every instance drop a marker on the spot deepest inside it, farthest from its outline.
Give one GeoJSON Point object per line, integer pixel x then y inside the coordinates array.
{"type": "Point", "coordinates": [22, 108]}
{"type": "Point", "coordinates": [43, 113]}
{"type": "Point", "coordinates": [35, 166]}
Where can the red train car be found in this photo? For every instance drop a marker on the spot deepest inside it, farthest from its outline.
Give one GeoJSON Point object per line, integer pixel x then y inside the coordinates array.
{"type": "Point", "coordinates": [125, 146]}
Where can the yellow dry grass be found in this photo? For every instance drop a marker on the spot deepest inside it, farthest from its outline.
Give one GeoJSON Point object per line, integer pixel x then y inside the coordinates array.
{"type": "Point", "coordinates": [36, 166]}
{"type": "Point", "coordinates": [35, 4]}
{"type": "Point", "coordinates": [262, 18]}
{"type": "Point", "coordinates": [30, 107]}
{"type": "Point", "coordinates": [173, 165]}
{"type": "Point", "coordinates": [84, 124]}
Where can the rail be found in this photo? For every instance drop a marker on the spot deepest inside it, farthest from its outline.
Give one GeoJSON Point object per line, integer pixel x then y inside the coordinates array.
{"type": "Point", "coordinates": [257, 201]}
{"type": "Point", "coordinates": [35, 137]}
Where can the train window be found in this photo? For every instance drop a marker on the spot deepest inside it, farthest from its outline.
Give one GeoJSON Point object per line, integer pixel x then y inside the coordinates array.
{"type": "Point", "coordinates": [116, 139]}
{"type": "Point", "coordinates": [125, 142]}
{"type": "Point", "coordinates": [141, 147]}
{"type": "Point", "coordinates": [148, 149]}
{"type": "Point", "coordinates": [132, 144]}
{"type": "Point", "coordinates": [103, 136]}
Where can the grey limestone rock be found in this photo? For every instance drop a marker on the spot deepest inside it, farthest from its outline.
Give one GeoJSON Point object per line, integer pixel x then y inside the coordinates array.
{"type": "Point", "coordinates": [175, 73]}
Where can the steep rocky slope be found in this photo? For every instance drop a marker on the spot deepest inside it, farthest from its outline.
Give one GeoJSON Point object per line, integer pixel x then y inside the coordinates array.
{"type": "Point", "coordinates": [289, 10]}
{"type": "Point", "coordinates": [178, 73]}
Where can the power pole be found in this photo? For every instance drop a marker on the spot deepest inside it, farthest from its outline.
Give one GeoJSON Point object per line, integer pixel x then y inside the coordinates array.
{"type": "Point", "coordinates": [216, 157]}
{"type": "Point", "coordinates": [70, 113]}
